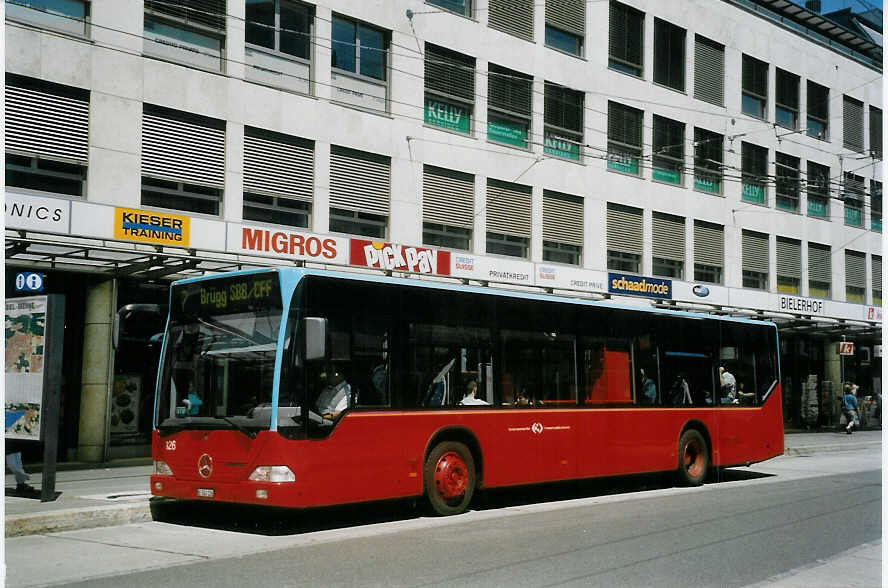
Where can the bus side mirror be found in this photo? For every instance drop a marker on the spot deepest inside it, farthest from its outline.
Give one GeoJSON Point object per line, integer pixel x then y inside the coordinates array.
{"type": "Point", "coordinates": [315, 330]}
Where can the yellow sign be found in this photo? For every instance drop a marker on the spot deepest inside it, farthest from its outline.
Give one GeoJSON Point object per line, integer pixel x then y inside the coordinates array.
{"type": "Point", "coordinates": [151, 227]}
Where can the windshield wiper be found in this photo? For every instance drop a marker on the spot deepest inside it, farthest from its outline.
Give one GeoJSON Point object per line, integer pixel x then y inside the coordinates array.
{"type": "Point", "coordinates": [239, 427]}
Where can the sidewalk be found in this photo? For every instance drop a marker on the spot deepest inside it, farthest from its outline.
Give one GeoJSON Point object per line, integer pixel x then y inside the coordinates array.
{"type": "Point", "coordinates": [118, 494]}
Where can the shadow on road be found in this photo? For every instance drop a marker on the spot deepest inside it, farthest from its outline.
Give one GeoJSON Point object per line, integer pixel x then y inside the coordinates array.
{"type": "Point", "coordinates": [263, 520]}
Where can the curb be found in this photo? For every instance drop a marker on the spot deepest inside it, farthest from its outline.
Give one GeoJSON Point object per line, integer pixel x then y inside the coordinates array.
{"type": "Point", "coordinates": [832, 448]}
{"type": "Point", "coordinates": [71, 519]}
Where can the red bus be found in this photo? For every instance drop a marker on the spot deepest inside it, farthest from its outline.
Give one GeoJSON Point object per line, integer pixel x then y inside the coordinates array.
{"type": "Point", "coordinates": [303, 388]}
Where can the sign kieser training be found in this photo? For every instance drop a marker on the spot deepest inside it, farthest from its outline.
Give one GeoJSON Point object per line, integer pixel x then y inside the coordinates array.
{"type": "Point", "coordinates": [151, 227]}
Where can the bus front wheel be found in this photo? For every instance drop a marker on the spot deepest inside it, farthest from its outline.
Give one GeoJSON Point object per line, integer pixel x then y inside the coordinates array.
{"type": "Point", "coordinates": [693, 458]}
{"type": "Point", "coordinates": [449, 478]}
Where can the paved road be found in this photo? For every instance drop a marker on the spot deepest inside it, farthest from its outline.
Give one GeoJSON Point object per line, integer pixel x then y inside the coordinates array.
{"type": "Point", "coordinates": [762, 525]}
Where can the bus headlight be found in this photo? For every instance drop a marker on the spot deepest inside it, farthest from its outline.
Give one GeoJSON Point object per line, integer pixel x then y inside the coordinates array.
{"type": "Point", "coordinates": [273, 474]}
{"type": "Point", "coordinates": [162, 469]}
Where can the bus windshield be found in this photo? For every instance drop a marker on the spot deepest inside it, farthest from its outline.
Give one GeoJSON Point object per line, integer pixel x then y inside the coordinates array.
{"type": "Point", "coordinates": [218, 364]}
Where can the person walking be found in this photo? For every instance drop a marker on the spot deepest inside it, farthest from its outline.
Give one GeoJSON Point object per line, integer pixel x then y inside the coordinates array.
{"type": "Point", "coordinates": [849, 407]}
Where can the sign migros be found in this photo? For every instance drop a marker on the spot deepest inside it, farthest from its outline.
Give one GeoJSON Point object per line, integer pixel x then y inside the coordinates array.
{"type": "Point", "coordinates": [639, 286]}
{"type": "Point", "coordinates": [151, 227]}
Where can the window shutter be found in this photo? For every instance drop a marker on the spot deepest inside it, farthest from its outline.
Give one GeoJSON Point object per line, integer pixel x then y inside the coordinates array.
{"type": "Point", "coordinates": [448, 197]}
{"type": "Point", "coordinates": [359, 181]}
{"type": "Point", "coordinates": [709, 244]}
{"type": "Point", "coordinates": [668, 236]}
{"type": "Point", "coordinates": [208, 13]}
{"type": "Point", "coordinates": [625, 230]}
{"type": "Point", "coordinates": [562, 218]}
{"type": "Point", "coordinates": [508, 208]}
{"type": "Point", "coordinates": [278, 165]}
{"type": "Point", "coordinates": [819, 263]}
{"type": "Point", "coordinates": [624, 124]}
{"type": "Point", "coordinates": [509, 90]}
{"type": "Point", "coordinates": [43, 121]}
{"type": "Point", "coordinates": [514, 17]}
{"type": "Point", "coordinates": [755, 252]}
{"type": "Point", "coordinates": [182, 147]}
{"type": "Point", "coordinates": [877, 272]}
{"type": "Point", "coordinates": [709, 71]}
{"type": "Point", "coordinates": [789, 258]}
{"type": "Point", "coordinates": [626, 27]}
{"type": "Point", "coordinates": [449, 73]}
{"type": "Point", "coordinates": [855, 269]}
{"type": "Point", "coordinates": [852, 120]}
{"type": "Point", "coordinates": [855, 189]}
{"type": "Point", "coordinates": [567, 15]}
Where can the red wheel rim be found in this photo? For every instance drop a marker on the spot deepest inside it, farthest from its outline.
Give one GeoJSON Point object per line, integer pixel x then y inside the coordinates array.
{"type": "Point", "coordinates": [693, 459]}
{"type": "Point", "coordinates": [451, 476]}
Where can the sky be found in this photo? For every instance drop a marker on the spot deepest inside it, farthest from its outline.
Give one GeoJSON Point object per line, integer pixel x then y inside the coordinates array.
{"type": "Point", "coordinates": [856, 5]}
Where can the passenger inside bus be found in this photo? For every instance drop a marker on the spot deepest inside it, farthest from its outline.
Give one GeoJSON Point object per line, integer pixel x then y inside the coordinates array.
{"type": "Point", "coordinates": [469, 398]}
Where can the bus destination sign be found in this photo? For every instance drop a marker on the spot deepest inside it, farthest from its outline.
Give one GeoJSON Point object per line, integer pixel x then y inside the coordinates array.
{"type": "Point", "coordinates": [230, 295]}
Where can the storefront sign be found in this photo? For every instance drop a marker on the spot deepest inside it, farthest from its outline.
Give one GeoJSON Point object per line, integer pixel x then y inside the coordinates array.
{"type": "Point", "coordinates": [403, 258]}
{"type": "Point", "coordinates": [35, 213]}
{"type": "Point", "coordinates": [446, 115]}
{"type": "Point", "coordinates": [800, 305]}
{"type": "Point", "coordinates": [753, 193]}
{"type": "Point", "coordinates": [506, 131]}
{"type": "Point", "coordinates": [492, 269]}
{"type": "Point", "coordinates": [623, 162]}
{"type": "Point", "coordinates": [874, 313]}
{"type": "Point", "coordinates": [639, 286]}
{"type": "Point", "coordinates": [707, 185]}
{"type": "Point", "coordinates": [670, 176]}
{"type": "Point", "coordinates": [151, 227]}
{"type": "Point", "coordinates": [286, 244]}
{"type": "Point", "coordinates": [845, 348]}
{"type": "Point", "coordinates": [568, 278]}
{"type": "Point", "coordinates": [562, 147]}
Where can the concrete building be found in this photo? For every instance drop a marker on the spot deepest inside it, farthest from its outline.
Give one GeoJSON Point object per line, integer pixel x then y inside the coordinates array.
{"type": "Point", "coordinates": [723, 156]}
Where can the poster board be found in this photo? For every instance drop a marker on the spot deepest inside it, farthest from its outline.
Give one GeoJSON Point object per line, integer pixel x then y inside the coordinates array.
{"type": "Point", "coordinates": [24, 351]}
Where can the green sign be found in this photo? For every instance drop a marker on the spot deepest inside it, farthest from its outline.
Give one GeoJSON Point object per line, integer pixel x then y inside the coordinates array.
{"type": "Point", "coordinates": [447, 116]}
{"type": "Point", "coordinates": [754, 193]}
{"type": "Point", "coordinates": [876, 224]}
{"type": "Point", "coordinates": [853, 216]}
{"type": "Point", "coordinates": [816, 207]}
{"type": "Point", "coordinates": [506, 131]}
{"type": "Point", "coordinates": [669, 176]}
{"type": "Point", "coordinates": [623, 162]}
{"type": "Point", "coordinates": [562, 147]}
{"type": "Point", "coordinates": [704, 184]}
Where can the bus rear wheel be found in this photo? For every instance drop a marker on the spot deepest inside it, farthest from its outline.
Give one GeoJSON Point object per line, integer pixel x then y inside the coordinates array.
{"type": "Point", "coordinates": [449, 478]}
{"type": "Point", "coordinates": [693, 458]}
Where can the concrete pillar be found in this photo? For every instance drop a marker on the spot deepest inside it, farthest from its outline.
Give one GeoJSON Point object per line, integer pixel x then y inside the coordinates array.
{"type": "Point", "coordinates": [96, 373]}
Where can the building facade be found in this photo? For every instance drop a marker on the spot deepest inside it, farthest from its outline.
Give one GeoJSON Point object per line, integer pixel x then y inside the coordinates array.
{"type": "Point", "coordinates": [719, 156]}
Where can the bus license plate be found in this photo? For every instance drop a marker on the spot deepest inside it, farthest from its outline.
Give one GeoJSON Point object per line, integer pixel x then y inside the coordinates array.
{"type": "Point", "coordinates": [206, 492]}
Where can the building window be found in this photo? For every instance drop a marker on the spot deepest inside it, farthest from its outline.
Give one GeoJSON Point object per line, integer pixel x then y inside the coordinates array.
{"type": "Point", "coordinates": [626, 39]}
{"type": "Point", "coordinates": [818, 190]}
{"type": "Point", "coordinates": [180, 196]}
{"type": "Point", "coordinates": [511, 245]}
{"type": "Point", "coordinates": [624, 138]}
{"type": "Point", "coordinates": [708, 153]}
{"type": "Point", "coordinates": [707, 273]}
{"type": "Point", "coordinates": [668, 245]}
{"type": "Point", "coordinates": [669, 55]}
{"type": "Point", "coordinates": [562, 228]}
{"type": "Point", "coordinates": [877, 280]}
{"type": "Point", "coordinates": [789, 265]}
{"type": "Point", "coordinates": [449, 89]}
{"type": "Point", "coordinates": [787, 100]}
{"type": "Point", "coordinates": [461, 7]}
{"type": "Point", "coordinates": [819, 270]}
{"type": "Point", "coordinates": [755, 262]}
{"type": "Point", "coordinates": [438, 235]}
{"type": "Point", "coordinates": [876, 206]}
{"type": "Point", "coordinates": [45, 175]}
{"type": "Point", "coordinates": [875, 132]}
{"type": "Point", "coordinates": [354, 222]}
{"type": "Point", "coordinates": [624, 262]}
{"type": "Point", "coordinates": [509, 101]}
{"type": "Point", "coordinates": [709, 71]}
{"type": "Point", "coordinates": [667, 268]}
{"type": "Point", "coordinates": [514, 17]}
{"type": "Point", "coordinates": [818, 111]}
{"type": "Point", "coordinates": [668, 157]}
{"type": "Point", "coordinates": [709, 252]}
{"type": "Point", "coordinates": [855, 277]}
{"type": "Point", "coordinates": [448, 208]}
{"type": "Point", "coordinates": [853, 194]}
{"type": "Point", "coordinates": [176, 30]}
{"type": "Point", "coordinates": [69, 16]}
{"type": "Point", "coordinates": [359, 48]}
{"type": "Point", "coordinates": [280, 26]}
{"type": "Point", "coordinates": [566, 25]}
{"type": "Point", "coordinates": [276, 210]}
{"type": "Point", "coordinates": [787, 171]}
{"type": "Point", "coordinates": [754, 171]}
{"type": "Point", "coordinates": [852, 124]}
{"type": "Point", "coordinates": [755, 87]}
{"type": "Point", "coordinates": [563, 114]}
